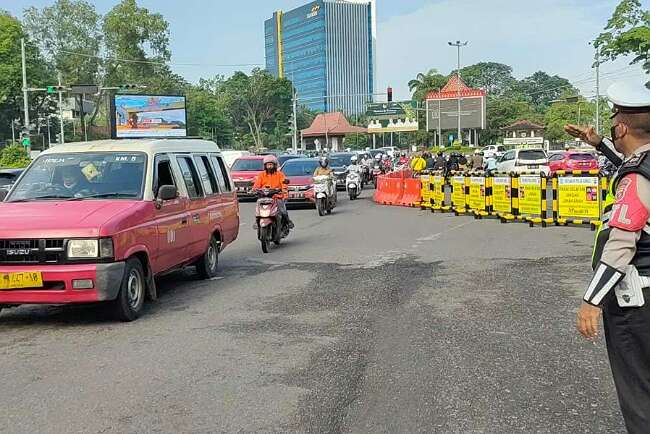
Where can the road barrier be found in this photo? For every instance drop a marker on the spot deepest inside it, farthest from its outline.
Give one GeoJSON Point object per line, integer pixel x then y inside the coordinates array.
{"type": "Point", "coordinates": [577, 196]}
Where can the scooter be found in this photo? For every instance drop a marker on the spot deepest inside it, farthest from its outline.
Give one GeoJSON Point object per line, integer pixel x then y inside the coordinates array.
{"type": "Point", "coordinates": [353, 184]}
{"type": "Point", "coordinates": [325, 193]}
{"type": "Point", "coordinates": [269, 224]}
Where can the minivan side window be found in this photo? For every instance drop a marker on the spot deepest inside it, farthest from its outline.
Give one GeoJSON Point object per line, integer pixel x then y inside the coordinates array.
{"type": "Point", "coordinates": [164, 175]}
{"type": "Point", "coordinates": [222, 174]}
{"type": "Point", "coordinates": [207, 176]}
{"type": "Point", "coordinates": [192, 180]}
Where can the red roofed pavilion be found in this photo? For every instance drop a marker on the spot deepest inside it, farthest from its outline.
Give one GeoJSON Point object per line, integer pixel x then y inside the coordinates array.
{"type": "Point", "coordinates": [327, 131]}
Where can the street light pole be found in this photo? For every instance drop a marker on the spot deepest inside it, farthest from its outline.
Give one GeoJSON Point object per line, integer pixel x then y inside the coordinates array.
{"type": "Point", "coordinates": [458, 44]}
{"type": "Point", "coordinates": [62, 138]}
{"type": "Point", "coordinates": [25, 91]}
{"type": "Point", "coordinates": [597, 90]}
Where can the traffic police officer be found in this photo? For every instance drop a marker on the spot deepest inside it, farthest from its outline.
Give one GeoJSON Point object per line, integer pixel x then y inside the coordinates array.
{"type": "Point", "coordinates": [620, 287]}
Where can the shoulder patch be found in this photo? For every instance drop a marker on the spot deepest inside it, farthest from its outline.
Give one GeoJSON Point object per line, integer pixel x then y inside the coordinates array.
{"type": "Point", "coordinates": [629, 213]}
{"type": "Point", "coordinates": [635, 160]}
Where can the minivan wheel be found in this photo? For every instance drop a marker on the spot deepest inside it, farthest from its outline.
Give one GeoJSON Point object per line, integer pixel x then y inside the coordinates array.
{"type": "Point", "coordinates": [128, 304]}
{"type": "Point", "coordinates": [209, 263]}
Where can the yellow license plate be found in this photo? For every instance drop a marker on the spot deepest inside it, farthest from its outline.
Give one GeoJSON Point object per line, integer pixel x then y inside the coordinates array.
{"type": "Point", "coordinates": [27, 279]}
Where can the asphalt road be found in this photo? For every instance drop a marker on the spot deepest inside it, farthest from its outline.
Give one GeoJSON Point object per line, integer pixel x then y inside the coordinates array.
{"type": "Point", "coordinates": [371, 320]}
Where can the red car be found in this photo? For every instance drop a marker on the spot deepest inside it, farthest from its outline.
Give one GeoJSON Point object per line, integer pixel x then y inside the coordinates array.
{"type": "Point", "coordinates": [98, 221]}
{"type": "Point", "coordinates": [572, 160]}
{"type": "Point", "coordinates": [244, 171]}
{"type": "Point", "coordinates": [300, 173]}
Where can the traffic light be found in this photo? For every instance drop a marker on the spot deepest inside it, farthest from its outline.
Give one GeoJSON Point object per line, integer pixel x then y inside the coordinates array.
{"type": "Point", "coordinates": [55, 89]}
{"type": "Point", "coordinates": [24, 139]}
{"type": "Point", "coordinates": [389, 91]}
{"type": "Point", "coordinates": [129, 86]}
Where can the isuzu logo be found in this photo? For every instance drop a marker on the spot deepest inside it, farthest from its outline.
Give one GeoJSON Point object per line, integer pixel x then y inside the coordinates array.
{"type": "Point", "coordinates": [15, 252]}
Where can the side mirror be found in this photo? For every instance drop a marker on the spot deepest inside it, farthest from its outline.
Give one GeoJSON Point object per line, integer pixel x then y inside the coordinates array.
{"type": "Point", "coordinates": [3, 194]}
{"type": "Point", "coordinates": [167, 192]}
{"type": "Point", "coordinates": [286, 182]}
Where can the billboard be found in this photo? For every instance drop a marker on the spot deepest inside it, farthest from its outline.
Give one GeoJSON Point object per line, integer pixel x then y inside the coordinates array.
{"type": "Point", "coordinates": [136, 116]}
{"type": "Point", "coordinates": [392, 117]}
{"type": "Point", "coordinates": [443, 113]}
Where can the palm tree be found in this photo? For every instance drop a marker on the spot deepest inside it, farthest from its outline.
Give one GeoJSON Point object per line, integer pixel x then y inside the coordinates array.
{"type": "Point", "coordinates": [424, 83]}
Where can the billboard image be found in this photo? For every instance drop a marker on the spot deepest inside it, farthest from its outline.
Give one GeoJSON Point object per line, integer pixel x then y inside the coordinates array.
{"type": "Point", "coordinates": [443, 113]}
{"type": "Point", "coordinates": [149, 116]}
{"type": "Point", "coordinates": [392, 117]}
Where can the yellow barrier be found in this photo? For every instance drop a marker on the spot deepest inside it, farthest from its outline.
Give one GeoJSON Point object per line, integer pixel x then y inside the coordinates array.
{"type": "Point", "coordinates": [426, 192]}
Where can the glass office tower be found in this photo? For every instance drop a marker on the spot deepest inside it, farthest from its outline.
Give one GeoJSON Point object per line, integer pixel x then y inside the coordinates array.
{"type": "Point", "coordinates": [327, 49]}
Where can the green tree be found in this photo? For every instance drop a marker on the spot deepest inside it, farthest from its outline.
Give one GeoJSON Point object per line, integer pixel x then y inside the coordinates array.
{"type": "Point", "coordinates": [541, 88]}
{"type": "Point", "coordinates": [68, 33]}
{"type": "Point", "coordinates": [425, 83]}
{"type": "Point", "coordinates": [39, 74]}
{"type": "Point", "coordinates": [14, 156]}
{"type": "Point", "coordinates": [258, 103]}
{"type": "Point", "coordinates": [139, 36]}
{"type": "Point", "coordinates": [495, 78]}
{"type": "Point", "coordinates": [627, 33]}
{"type": "Point", "coordinates": [504, 111]}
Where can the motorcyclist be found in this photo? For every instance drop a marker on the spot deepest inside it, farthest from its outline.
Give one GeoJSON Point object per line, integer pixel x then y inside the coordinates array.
{"type": "Point", "coordinates": [386, 163]}
{"type": "Point", "coordinates": [440, 162]}
{"type": "Point", "coordinates": [403, 159]}
{"type": "Point", "coordinates": [354, 164]}
{"type": "Point", "coordinates": [272, 178]}
{"type": "Point", "coordinates": [418, 164]}
{"type": "Point", "coordinates": [323, 168]}
{"type": "Point", "coordinates": [476, 161]}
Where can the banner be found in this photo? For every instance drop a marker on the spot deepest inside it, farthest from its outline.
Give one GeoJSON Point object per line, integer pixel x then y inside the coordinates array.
{"type": "Point", "coordinates": [392, 117]}
{"type": "Point", "coordinates": [530, 195]}
{"type": "Point", "coordinates": [458, 191]}
{"type": "Point", "coordinates": [578, 196]}
{"type": "Point", "coordinates": [438, 190]}
{"type": "Point", "coordinates": [476, 199]}
{"type": "Point", "coordinates": [501, 194]}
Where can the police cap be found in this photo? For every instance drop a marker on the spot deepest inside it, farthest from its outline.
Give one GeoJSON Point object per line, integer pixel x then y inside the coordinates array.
{"type": "Point", "coordinates": [629, 97]}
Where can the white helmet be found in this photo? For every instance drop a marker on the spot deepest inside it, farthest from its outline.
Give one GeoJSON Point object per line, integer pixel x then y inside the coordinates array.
{"type": "Point", "coordinates": [378, 157]}
{"type": "Point", "coordinates": [354, 159]}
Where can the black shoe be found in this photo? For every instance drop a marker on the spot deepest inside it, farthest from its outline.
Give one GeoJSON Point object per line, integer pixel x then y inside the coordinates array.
{"type": "Point", "coordinates": [291, 225]}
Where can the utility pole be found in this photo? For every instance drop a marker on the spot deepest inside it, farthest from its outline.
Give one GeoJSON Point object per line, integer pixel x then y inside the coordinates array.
{"type": "Point", "coordinates": [458, 44]}
{"type": "Point", "coordinates": [597, 90]}
{"type": "Point", "coordinates": [62, 138]}
{"type": "Point", "coordinates": [13, 132]}
{"type": "Point", "coordinates": [25, 91]}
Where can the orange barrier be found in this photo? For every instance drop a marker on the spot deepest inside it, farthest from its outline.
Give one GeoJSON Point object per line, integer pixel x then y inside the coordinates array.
{"type": "Point", "coordinates": [412, 192]}
{"type": "Point", "coordinates": [389, 190]}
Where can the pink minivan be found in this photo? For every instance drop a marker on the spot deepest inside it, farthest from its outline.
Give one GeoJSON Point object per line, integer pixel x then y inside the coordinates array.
{"type": "Point", "coordinates": [97, 221]}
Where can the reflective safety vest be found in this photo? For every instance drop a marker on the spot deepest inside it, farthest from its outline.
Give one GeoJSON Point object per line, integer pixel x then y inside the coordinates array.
{"type": "Point", "coordinates": [641, 260]}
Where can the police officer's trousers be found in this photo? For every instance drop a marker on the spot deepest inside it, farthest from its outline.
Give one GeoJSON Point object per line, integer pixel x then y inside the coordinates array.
{"type": "Point", "coordinates": [627, 331]}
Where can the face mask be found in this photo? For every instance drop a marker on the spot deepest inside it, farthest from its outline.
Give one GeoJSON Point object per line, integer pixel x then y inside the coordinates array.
{"type": "Point", "coordinates": [615, 138]}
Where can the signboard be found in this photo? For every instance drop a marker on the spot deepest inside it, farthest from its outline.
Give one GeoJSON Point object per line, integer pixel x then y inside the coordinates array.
{"type": "Point", "coordinates": [523, 141]}
{"type": "Point", "coordinates": [578, 196]}
{"type": "Point", "coordinates": [438, 193]}
{"type": "Point", "coordinates": [530, 195]}
{"type": "Point", "coordinates": [392, 117]}
{"type": "Point", "coordinates": [476, 200]}
{"type": "Point", "coordinates": [138, 116]}
{"type": "Point", "coordinates": [501, 195]}
{"type": "Point", "coordinates": [458, 191]}
{"type": "Point", "coordinates": [443, 113]}
{"type": "Point", "coordinates": [84, 89]}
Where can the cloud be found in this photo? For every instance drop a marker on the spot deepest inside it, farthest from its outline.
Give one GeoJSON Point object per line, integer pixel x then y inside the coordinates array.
{"type": "Point", "coordinates": [548, 35]}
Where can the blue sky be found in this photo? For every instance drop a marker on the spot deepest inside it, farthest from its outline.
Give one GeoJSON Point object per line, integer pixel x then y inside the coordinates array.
{"type": "Point", "coordinates": [529, 35]}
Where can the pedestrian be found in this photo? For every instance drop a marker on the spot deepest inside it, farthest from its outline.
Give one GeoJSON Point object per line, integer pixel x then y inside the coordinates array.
{"type": "Point", "coordinates": [621, 260]}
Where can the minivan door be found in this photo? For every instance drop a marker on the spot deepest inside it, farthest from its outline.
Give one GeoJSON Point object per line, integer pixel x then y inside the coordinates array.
{"type": "Point", "coordinates": [173, 230]}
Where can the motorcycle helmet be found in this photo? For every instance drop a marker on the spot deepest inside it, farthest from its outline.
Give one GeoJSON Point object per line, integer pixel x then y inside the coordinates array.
{"type": "Point", "coordinates": [324, 162]}
{"type": "Point", "coordinates": [354, 159]}
{"type": "Point", "coordinates": [270, 159]}
{"type": "Point", "coordinates": [385, 157]}
{"type": "Point", "coordinates": [378, 157]}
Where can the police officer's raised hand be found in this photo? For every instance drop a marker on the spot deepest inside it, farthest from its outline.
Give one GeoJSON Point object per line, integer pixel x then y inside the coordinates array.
{"type": "Point", "coordinates": [587, 320]}
{"type": "Point", "coordinates": [586, 134]}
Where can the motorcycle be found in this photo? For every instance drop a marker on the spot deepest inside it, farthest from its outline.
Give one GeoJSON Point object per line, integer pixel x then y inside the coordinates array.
{"type": "Point", "coordinates": [376, 171]}
{"type": "Point", "coordinates": [353, 184]}
{"type": "Point", "coordinates": [325, 194]}
{"type": "Point", "coordinates": [270, 226]}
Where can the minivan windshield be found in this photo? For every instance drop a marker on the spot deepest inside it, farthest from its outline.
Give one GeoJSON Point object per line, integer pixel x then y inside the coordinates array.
{"type": "Point", "coordinates": [300, 167]}
{"type": "Point", "coordinates": [248, 165]}
{"type": "Point", "coordinates": [79, 176]}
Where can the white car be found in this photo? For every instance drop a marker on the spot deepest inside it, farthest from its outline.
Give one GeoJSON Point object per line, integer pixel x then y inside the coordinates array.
{"type": "Point", "coordinates": [390, 150]}
{"type": "Point", "coordinates": [523, 160]}
{"type": "Point", "coordinates": [492, 151]}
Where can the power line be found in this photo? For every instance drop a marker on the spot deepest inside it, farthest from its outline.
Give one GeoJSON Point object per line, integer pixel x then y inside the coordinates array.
{"type": "Point", "coordinates": [153, 62]}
